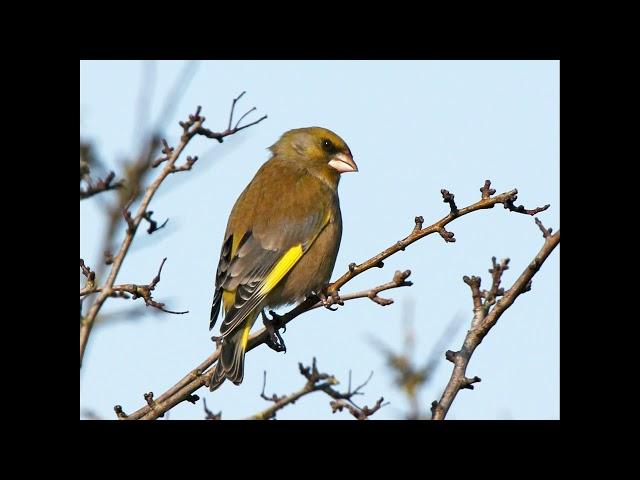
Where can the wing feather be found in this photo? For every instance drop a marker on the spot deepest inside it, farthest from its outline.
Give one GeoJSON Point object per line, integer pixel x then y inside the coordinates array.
{"type": "Point", "coordinates": [255, 271]}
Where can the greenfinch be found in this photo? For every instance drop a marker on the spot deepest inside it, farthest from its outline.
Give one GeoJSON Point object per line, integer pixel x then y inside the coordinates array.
{"type": "Point", "coordinates": [282, 238]}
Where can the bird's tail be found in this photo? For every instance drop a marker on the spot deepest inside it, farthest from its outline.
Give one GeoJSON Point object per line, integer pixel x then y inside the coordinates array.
{"type": "Point", "coordinates": [231, 361]}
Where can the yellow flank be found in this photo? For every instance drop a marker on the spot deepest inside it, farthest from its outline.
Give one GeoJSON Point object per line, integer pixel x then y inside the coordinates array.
{"type": "Point", "coordinates": [245, 335]}
{"type": "Point", "coordinates": [281, 268]}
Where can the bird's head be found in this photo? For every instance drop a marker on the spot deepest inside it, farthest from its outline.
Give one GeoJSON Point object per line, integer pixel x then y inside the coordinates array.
{"type": "Point", "coordinates": [320, 151]}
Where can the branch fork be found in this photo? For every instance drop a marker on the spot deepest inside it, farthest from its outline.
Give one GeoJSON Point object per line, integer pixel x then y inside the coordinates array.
{"type": "Point", "coordinates": [102, 185]}
{"type": "Point", "coordinates": [486, 312]}
{"type": "Point", "coordinates": [317, 381]}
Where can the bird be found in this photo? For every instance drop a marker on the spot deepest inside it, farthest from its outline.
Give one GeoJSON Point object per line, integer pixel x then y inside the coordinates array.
{"type": "Point", "coordinates": [281, 240]}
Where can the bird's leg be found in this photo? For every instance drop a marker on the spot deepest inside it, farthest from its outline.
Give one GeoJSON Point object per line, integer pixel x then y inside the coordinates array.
{"type": "Point", "coordinates": [274, 340]}
{"type": "Point", "coordinates": [218, 340]}
{"type": "Point", "coordinates": [329, 299]}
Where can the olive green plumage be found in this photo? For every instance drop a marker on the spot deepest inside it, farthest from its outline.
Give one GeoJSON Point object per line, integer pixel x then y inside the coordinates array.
{"type": "Point", "coordinates": [282, 238]}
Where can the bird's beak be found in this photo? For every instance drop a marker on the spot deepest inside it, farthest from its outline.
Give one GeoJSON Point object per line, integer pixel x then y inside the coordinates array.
{"type": "Point", "coordinates": [343, 163]}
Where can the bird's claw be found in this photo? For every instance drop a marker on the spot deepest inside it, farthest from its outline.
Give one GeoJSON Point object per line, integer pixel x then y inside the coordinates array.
{"type": "Point", "coordinates": [218, 340]}
{"type": "Point", "coordinates": [274, 339]}
{"type": "Point", "coordinates": [330, 299]}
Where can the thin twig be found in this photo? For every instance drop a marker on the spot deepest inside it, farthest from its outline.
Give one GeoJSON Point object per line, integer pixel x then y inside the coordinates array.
{"type": "Point", "coordinates": [399, 280]}
{"type": "Point", "coordinates": [546, 232]}
{"type": "Point", "coordinates": [209, 415]}
{"type": "Point", "coordinates": [316, 382]}
{"type": "Point", "coordinates": [359, 413]}
{"type": "Point", "coordinates": [219, 136]}
{"type": "Point", "coordinates": [90, 274]}
{"type": "Point", "coordinates": [233, 107]}
{"type": "Point", "coordinates": [137, 291]}
{"type": "Point", "coordinates": [102, 185]}
{"type": "Point", "coordinates": [273, 398]}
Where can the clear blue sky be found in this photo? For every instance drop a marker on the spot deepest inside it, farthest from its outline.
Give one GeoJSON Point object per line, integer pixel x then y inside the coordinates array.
{"type": "Point", "coordinates": [414, 128]}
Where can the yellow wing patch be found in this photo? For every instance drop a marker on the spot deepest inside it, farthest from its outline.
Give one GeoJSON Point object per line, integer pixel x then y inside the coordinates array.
{"type": "Point", "coordinates": [277, 273]}
{"type": "Point", "coordinates": [228, 297]}
{"type": "Point", "coordinates": [234, 245]}
{"type": "Point", "coordinates": [281, 268]}
{"type": "Point", "coordinates": [245, 336]}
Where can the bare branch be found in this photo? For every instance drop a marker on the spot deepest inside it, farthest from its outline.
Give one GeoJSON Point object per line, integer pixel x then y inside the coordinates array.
{"type": "Point", "coordinates": [219, 136]}
{"type": "Point", "coordinates": [126, 214]}
{"type": "Point", "coordinates": [190, 128]}
{"type": "Point", "coordinates": [192, 382]}
{"type": "Point", "coordinates": [148, 397]}
{"type": "Point", "coordinates": [313, 376]}
{"type": "Point", "coordinates": [316, 382]}
{"type": "Point", "coordinates": [496, 276]}
{"type": "Point", "coordinates": [137, 291]}
{"type": "Point", "coordinates": [274, 398]}
{"type": "Point", "coordinates": [485, 317]}
{"type": "Point", "coordinates": [485, 202]}
{"type": "Point", "coordinates": [253, 109]}
{"type": "Point", "coordinates": [136, 170]}
{"type": "Point", "coordinates": [359, 413]}
{"type": "Point", "coordinates": [478, 309]}
{"type": "Point", "coordinates": [233, 107]}
{"type": "Point", "coordinates": [187, 165]}
{"type": "Point", "coordinates": [167, 150]}
{"type": "Point", "coordinates": [357, 391]}
{"type": "Point", "coordinates": [399, 280]}
{"type": "Point", "coordinates": [520, 209]}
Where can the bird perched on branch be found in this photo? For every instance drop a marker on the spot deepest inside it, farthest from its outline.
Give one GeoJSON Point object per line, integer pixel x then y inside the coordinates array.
{"type": "Point", "coordinates": [282, 238]}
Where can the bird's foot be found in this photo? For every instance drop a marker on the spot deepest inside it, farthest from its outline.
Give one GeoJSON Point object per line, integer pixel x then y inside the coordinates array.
{"type": "Point", "coordinates": [218, 340]}
{"type": "Point", "coordinates": [274, 340]}
{"type": "Point", "coordinates": [329, 299]}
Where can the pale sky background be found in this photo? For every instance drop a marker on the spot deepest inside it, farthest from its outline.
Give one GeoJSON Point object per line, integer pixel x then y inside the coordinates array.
{"type": "Point", "coordinates": [414, 127]}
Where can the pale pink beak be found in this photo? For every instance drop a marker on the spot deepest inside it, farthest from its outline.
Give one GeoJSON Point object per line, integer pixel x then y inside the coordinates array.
{"type": "Point", "coordinates": [343, 163]}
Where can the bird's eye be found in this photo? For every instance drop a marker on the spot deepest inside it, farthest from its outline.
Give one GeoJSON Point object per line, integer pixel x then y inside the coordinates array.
{"type": "Point", "coordinates": [327, 145]}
